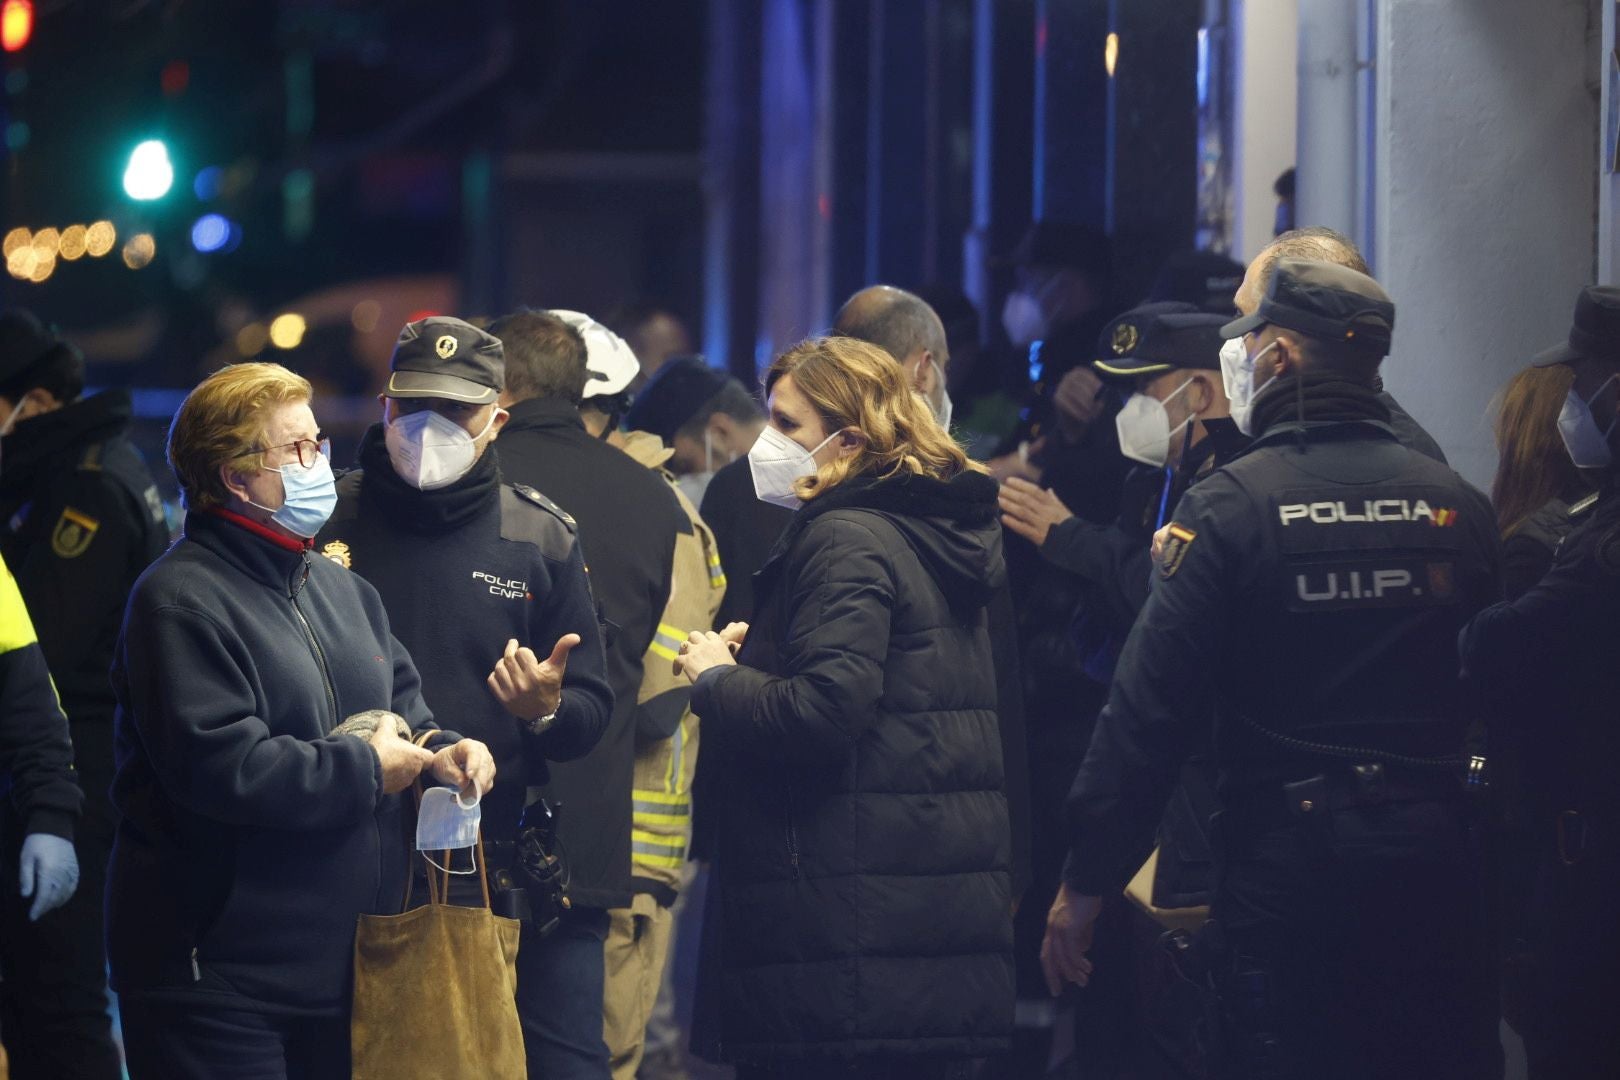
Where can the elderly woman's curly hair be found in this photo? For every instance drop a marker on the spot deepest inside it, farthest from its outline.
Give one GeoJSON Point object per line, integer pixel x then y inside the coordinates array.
{"type": "Point", "coordinates": [858, 387]}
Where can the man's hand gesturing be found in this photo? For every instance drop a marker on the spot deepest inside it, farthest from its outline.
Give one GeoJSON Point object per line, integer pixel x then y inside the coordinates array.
{"type": "Point", "coordinates": [531, 688]}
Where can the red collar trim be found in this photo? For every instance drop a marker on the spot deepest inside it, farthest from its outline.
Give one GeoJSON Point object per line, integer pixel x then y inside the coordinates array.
{"type": "Point", "coordinates": [264, 532]}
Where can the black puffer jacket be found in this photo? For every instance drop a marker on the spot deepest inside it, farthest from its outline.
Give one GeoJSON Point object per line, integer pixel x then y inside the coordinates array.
{"type": "Point", "coordinates": [862, 887]}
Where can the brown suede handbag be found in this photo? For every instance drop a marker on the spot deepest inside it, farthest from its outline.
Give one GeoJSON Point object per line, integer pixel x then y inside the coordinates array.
{"type": "Point", "coordinates": [435, 989]}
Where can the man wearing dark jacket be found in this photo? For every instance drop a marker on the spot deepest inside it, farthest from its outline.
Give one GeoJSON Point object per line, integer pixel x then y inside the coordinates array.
{"type": "Point", "coordinates": [628, 522]}
{"type": "Point", "coordinates": [476, 574]}
{"type": "Point", "coordinates": [81, 519]}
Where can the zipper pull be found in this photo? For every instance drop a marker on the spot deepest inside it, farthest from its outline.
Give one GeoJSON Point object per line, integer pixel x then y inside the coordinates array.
{"type": "Point", "coordinates": [196, 972]}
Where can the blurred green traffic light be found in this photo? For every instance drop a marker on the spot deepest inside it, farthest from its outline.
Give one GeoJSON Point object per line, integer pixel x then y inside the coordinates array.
{"type": "Point", "coordinates": [150, 173]}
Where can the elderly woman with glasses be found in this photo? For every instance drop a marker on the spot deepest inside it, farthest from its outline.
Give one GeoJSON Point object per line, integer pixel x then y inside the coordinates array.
{"type": "Point", "coordinates": [256, 825]}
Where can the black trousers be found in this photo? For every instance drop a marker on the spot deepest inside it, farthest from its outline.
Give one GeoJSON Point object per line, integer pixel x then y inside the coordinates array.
{"type": "Point", "coordinates": [1356, 944]}
{"type": "Point", "coordinates": [185, 1041]}
{"type": "Point", "coordinates": [890, 1068]}
{"type": "Point", "coordinates": [53, 981]}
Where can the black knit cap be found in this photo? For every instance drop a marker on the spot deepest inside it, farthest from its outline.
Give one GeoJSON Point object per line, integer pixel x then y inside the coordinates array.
{"type": "Point", "coordinates": [673, 396]}
{"type": "Point", "coordinates": [1594, 332]}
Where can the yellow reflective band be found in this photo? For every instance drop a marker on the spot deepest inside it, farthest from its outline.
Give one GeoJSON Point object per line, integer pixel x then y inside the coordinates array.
{"type": "Point", "coordinates": [654, 821]}
{"type": "Point", "coordinates": [667, 641]}
{"type": "Point", "coordinates": [653, 844]}
{"type": "Point", "coordinates": [663, 798]}
{"type": "Point", "coordinates": [717, 576]}
{"type": "Point", "coordinates": [662, 862]}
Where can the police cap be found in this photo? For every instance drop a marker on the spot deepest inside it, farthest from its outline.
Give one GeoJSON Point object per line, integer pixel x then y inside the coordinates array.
{"type": "Point", "coordinates": [1155, 338]}
{"type": "Point", "coordinates": [1323, 300]}
{"type": "Point", "coordinates": [441, 357]}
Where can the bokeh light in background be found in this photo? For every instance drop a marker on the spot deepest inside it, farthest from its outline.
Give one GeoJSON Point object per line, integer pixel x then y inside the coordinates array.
{"type": "Point", "coordinates": [211, 232]}
{"type": "Point", "coordinates": [287, 331]}
{"type": "Point", "coordinates": [150, 173]}
{"type": "Point", "coordinates": [251, 339]}
{"type": "Point", "coordinates": [16, 24]}
{"type": "Point", "coordinates": [139, 250]}
{"type": "Point", "coordinates": [46, 241]}
{"type": "Point", "coordinates": [365, 316]}
{"type": "Point", "coordinates": [206, 185]}
{"type": "Point", "coordinates": [99, 239]}
{"type": "Point", "coordinates": [74, 242]}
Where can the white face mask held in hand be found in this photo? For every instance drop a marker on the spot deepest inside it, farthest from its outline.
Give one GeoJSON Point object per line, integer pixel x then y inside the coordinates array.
{"type": "Point", "coordinates": [1588, 447]}
{"type": "Point", "coordinates": [1144, 427]}
{"type": "Point", "coordinates": [777, 463]}
{"type": "Point", "coordinates": [1237, 375]}
{"type": "Point", "coordinates": [429, 451]}
{"type": "Point", "coordinates": [445, 823]}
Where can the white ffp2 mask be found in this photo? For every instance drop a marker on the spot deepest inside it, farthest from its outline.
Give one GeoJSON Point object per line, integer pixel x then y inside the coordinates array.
{"type": "Point", "coordinates": [1144, 427]}
{"type": "Point", "coordinates": [1588, 446]}
{"type": "Point", "coordinates": [430, 451]}
{"type": "Point", "coordinates": [1237, 375]}
{"type": "Point", "coordinates": [776, 463]}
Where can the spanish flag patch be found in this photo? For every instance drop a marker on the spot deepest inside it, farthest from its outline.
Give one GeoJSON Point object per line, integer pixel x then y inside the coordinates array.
{"type": "Point", "coordinates": [1176, 543]}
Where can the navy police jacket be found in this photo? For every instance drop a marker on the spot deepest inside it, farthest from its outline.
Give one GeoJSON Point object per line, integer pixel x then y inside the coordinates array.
{"type": "Point", "coordinates": [1312, 590]}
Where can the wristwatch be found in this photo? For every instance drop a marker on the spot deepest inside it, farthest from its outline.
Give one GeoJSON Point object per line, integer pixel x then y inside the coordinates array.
{"type": "Point", "coordinates": [538, 727]}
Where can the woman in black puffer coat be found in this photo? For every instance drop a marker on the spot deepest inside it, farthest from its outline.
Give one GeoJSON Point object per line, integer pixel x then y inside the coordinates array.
{"type": "Point", "coordinates": [861, 919]}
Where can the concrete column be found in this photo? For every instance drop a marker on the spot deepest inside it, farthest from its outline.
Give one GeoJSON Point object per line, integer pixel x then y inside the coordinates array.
{"type": "Point", "coordinates": [1265, 50]}
{"type": "Point", "coordinates": [1485, 198]}
{"type": "Point", "coordinates": [1608, 145]}
{"type": "Point", "coordinates": [1327, 128]}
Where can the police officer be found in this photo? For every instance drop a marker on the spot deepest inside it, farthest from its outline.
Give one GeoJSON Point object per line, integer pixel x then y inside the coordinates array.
{"type": "Point", "coordinates": [1548, 659]}
{"type": "Point", "coordinates": [484, 583]}
{"type": "Point", "coordinates": [1305, 609]}
{"type": "Point", "coordinates": [80, 518]}
{"type": "Point", "coordinates": [1165, 358]}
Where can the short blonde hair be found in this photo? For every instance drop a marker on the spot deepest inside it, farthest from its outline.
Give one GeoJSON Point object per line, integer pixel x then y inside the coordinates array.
{"type": "Point", "coordinates": [854, 384]}
{"type": "Point", "coordinates": [222, 421]}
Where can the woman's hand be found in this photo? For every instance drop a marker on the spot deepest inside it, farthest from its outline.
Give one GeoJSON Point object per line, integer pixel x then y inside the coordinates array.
{"type": "Point", "coordinates": [465, 764]}
{"type": "Point", "coordinates": [402, 762]}
{"type": "Point", "coordinates": [734, 635]}
{"type": "Point", "coordinates": [705, 649]}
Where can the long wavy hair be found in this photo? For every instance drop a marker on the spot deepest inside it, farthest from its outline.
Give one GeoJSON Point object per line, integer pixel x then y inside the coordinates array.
{"type": "Point", "coordinates": [1532, 466]}
{"type": "Point", "coordinates": [855, 385]}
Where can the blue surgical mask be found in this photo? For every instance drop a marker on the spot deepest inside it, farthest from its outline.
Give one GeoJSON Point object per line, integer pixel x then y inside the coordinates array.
{"type": "Point", "coordinates": [308, 496]}
{"type": "Point", "coordinates": [445, 822]}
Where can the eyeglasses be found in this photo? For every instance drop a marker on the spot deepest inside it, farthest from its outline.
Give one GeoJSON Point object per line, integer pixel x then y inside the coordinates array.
{"type": "Point", "coordinates": [307, 450]}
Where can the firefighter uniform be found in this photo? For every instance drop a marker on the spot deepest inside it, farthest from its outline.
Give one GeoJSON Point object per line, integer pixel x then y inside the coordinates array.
{"type": "Point", "coordinates": [666, 755]}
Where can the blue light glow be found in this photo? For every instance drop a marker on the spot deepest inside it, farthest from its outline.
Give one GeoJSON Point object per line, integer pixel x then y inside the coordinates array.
{"type": "Point", "coordinates": [210, 233]}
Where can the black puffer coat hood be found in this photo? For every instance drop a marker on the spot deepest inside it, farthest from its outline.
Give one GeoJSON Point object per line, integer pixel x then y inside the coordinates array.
{"type": "Point", "coordinates": [862, 899]}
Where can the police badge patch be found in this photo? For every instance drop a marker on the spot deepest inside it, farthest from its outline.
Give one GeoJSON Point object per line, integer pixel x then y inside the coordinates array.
{"type": "Point", "coordinates": [338, 552]}
{"type": "Point", "coordinates": [1176, 543]}
{"type": "Point", "coordinates": [73, 533]}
